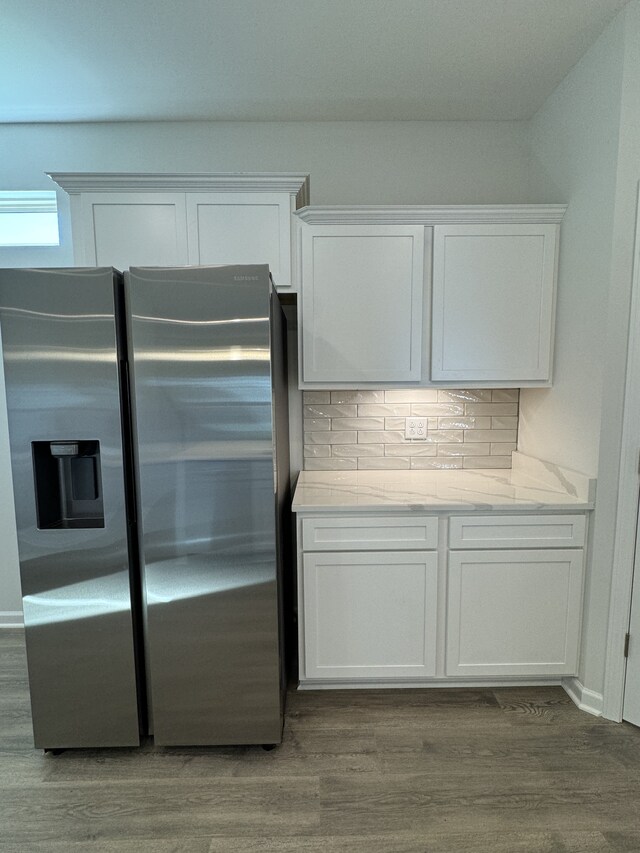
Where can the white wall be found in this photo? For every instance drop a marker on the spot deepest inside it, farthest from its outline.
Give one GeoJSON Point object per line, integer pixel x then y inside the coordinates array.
{"type": "Point", "coordinates": [349, 163]}
{"type": "Point", "coordinates": [587, 137]}
{"type": "Point", "coordinates": [574, 140]}
{"type": "Point", "coordinates": [615, 360]}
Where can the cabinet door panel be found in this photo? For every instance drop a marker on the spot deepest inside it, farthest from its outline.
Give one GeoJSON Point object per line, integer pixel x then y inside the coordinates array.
{"type": "Point", "coordinates": [362, 303]}
{"type": "Point", "coordinates": [514, 612]}
{"type": "Point", "coordinates": [493, 290]}
{"type": "Point", "coordinates": [370, 615]}
{"type": "Point", "coordinates": [123, 229]}
{"type": "Point", "coordinates": [241, 228]}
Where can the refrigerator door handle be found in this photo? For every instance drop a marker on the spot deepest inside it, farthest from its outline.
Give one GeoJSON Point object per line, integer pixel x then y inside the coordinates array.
{"type": "Point", "coordinates": [128, 451]}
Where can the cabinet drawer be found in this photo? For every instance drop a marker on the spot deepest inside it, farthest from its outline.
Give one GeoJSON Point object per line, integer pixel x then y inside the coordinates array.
{"type": "Point", "coordinates": [524, 531]}
{"type": "Point", "coordinates": [400, 532]}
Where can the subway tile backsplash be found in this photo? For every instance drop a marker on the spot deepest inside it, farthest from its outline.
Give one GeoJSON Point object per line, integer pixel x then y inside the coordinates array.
{"type": "Point", "coordinates": [349, 430]}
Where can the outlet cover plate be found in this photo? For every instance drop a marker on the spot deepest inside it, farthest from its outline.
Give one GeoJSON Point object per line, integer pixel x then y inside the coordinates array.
{"type": "Point", "coordinates": [416, 429]}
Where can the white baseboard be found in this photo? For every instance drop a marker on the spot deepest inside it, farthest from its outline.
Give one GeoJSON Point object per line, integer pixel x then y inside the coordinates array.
{"type": "Point", "coordinates": [587, 700]}
{"type": "Point", "coordinates": [442, 683]}
{"type": "Point", "coordinates": [11, 619]}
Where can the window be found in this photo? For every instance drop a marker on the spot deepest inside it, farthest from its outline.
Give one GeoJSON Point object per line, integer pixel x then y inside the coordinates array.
{"type": "Point", "coordinates": [28, 219]}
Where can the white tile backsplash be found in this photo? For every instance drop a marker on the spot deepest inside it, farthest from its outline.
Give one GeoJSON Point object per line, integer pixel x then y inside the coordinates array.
{"type": "Point", "coordinates": [314, 424]}
{"type": "Point", "coordinates": [482, 395]}
{"type": "Point", "coordinates": [417, 395]}
{"type": "Point", "coordinates": [502, 422]}
{"type": "Point", "coordinates": [320, 410]}
{"type": "Point", "coordinates": [486, 462]}
{"type": "Point", "coordinates": [385, 436]}
{"type": "Point", "coordinates": [491, 409]}
{"type": "Point", "coordinates": [385, 410]}
{"type": "Point", "coordinates": [503, 449]}
{"type": "Point", "coordinates": [364, 429]}
{"type": "Point", "coordinates": [359, 423]}
{"type": "Point", "coordinates": [438, 409]}
{"type": "Point", "coordinates": [357, 396]}
{"type": "Point", "coordinates": [465, 449]}
{"type": "Point", "coordinates": [317, 396]}
{"type": "Point", "coordinates": [354, 451]}
{"type": "Point", "coordinates": [397, 463]}
{"type": "Point", "coordinates": [411, 448]}
{"type": "Point", "coordinates": [423, 463]}
{"type": "Point", "coordinates": [493, 435]}
{"type": "Point", "coordinates": [317, 451]}
{"type": "Point", "coordinates": [331, 437]}
{"type": "Point", "coordinates": [505, 395]}
{"type": "Point", "coordinates": [462, 422]}
{"type": "Point", "coordinates": [335, 463]}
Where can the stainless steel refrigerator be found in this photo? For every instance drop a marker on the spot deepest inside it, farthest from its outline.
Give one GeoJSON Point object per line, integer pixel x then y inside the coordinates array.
{"type": "Point", "coordinates": [149, 449]}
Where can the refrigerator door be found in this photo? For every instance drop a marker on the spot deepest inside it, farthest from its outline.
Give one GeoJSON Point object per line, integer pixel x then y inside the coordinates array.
{"type": "Point", "coordinates": [200, 348]}
{"type": "Point", "coordinates": [61, 370]}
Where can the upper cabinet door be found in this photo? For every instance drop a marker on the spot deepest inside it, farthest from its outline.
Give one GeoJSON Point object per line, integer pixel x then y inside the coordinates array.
{"type": "Point", "coordinates": [361, 303]}
{"type": "Point", "coordinates": [127, 229]}
{"type": "Point", "coordinates": [242, 228]}
{"type": "Point", "coordinates": [493, 302]}
{"type": "Point", "coordinates": [172, 219]}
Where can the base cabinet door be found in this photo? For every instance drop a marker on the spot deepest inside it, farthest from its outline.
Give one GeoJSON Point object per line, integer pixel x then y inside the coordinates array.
{"type": "Point", "coordinates": [514, 613]}
{"type": "Point", "coordinates": [370, 615]}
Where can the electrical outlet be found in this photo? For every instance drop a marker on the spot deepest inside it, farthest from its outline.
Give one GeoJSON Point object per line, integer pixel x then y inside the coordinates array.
{"type": "Point", "coordinates": [416, 428]}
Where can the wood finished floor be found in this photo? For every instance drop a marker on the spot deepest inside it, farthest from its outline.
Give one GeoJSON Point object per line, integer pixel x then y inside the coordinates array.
{"type": "Point", "coordinates": [508, 771]}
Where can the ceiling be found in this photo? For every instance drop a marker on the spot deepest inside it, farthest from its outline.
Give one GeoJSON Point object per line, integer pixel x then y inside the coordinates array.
{"type": "Point", "coordinates": [289, 60]}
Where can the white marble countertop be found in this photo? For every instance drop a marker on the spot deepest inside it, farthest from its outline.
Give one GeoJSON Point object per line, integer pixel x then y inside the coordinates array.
{"type": "Point", "coordinates": [530, 485]}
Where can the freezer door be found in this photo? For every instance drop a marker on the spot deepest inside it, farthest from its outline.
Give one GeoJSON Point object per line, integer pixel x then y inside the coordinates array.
{"type": "Point", "coordinates": [61, 371]}
{"type": "Point", "coordinates": [203, 399]}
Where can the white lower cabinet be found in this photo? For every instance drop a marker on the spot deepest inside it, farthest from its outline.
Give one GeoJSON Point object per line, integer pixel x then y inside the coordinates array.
{"type": "Point", "coordinates": [370, 615]}
{"type": "Point", "coordinates": [420, 599]}
{"type": "Point", "coordinates": [514, 613]}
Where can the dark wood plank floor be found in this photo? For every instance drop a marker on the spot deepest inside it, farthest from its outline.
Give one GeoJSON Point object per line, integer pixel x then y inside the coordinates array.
{"type": "Point", "coordinates": [418, 771]}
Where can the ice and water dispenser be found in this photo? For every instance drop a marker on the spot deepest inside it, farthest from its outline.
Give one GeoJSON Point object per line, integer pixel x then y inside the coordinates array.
{"type": "Point", "coordinates": [68, 484]}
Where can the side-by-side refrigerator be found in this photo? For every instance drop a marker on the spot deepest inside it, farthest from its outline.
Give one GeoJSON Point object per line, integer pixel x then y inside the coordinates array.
{"type": "Point", "coordinates": [149, 451]}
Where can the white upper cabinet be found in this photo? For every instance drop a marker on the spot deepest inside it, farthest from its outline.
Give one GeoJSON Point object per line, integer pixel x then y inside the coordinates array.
{"type": "Point", "coordinates": [380, 305]}
{"type": "Point", "coordinates": [123, 230]}
{"type": "Point", "coordinates": [125, 220]}
{"type": "Point", "coordinates": [493, 302]}
{"type": "Point", "coordinates": [361, 303]}
{"type": "Point", "coordinates": [241, 228]}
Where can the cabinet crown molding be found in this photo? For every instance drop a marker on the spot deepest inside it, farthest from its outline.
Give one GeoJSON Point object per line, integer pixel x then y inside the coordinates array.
{"type": "Point", "coordinates": [76, 182]}
{"type": "Point", "coordinates": [432, 214]}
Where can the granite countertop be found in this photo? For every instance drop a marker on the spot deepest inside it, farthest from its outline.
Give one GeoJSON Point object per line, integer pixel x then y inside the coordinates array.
{"type": "Point", "coordinates": [531, 484]}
